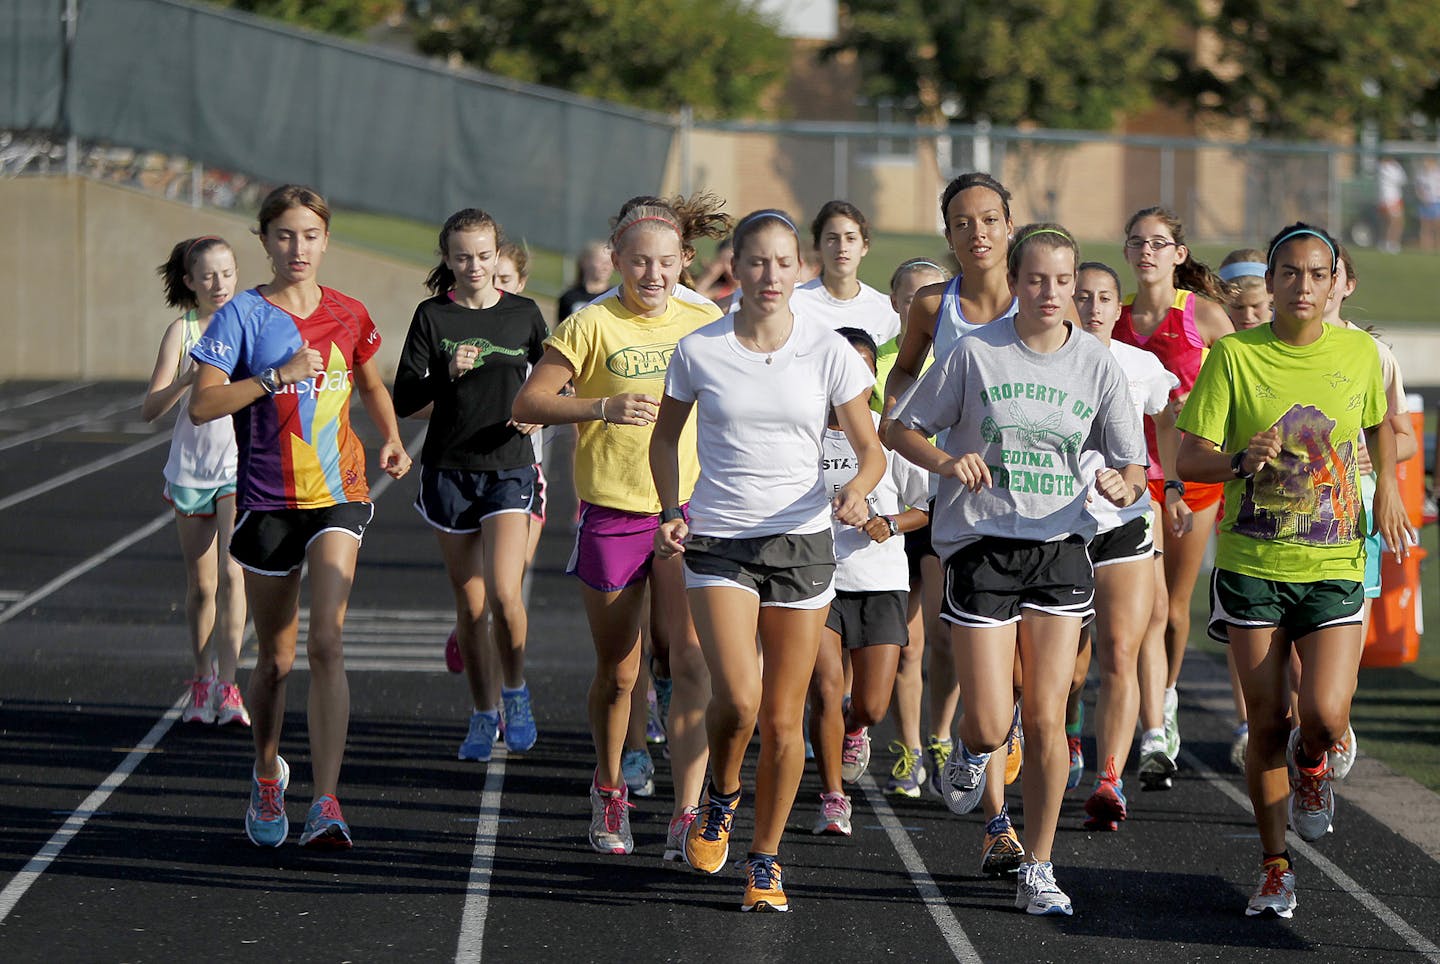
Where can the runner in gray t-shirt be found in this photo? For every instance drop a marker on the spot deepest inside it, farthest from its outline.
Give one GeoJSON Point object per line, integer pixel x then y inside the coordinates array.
{"type": "Point", "coordinates": [1023, 399]}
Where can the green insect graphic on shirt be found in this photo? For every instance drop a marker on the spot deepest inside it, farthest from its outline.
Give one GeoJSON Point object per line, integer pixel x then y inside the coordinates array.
{"type": "Point", "coordinates": [1032, 433]}
{"type": "Point", "coordinates": [485, 346]}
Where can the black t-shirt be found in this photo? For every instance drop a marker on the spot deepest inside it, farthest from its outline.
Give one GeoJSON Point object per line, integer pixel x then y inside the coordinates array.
{"type": "Point", "coordinates": [572, 299]}
{"type": "Point", "coordinates": [469, 425]}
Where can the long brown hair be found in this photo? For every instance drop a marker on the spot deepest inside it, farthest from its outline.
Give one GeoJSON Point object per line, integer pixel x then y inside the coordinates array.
{"type": "Point", "coordinates": [1192, 274]}
{"type": "Point", "coordinates": [178, 266]}
{"type": "Point", "coordinates": [441, 279]}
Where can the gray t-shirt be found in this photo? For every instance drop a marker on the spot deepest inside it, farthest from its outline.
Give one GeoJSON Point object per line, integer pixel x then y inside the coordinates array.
{"type": "Point", "coordinates": [1030, 416]}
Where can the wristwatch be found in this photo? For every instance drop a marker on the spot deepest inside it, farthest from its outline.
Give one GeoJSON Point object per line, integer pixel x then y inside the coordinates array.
{"type": "Point", "coordinates": [670, 515]}
{"type": "Point", "coordinates": [894, 525]}
{"type": "Point", "coordinates": [270, 380]}
{"type": "Point", "coordinates": [1237, 466]}
{"type": "Point", "coordinates": [1177, 485]}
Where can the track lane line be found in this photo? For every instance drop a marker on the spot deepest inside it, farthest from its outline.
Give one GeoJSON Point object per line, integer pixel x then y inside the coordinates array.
{"type": "Point", "coordinates": [74, 421]}
{"type": "Point", "coordinates": [43, 395]}
{"type": "Point", "coordinates": [470, 944]}
{"type": "Point", "coordinates": [79, 472]}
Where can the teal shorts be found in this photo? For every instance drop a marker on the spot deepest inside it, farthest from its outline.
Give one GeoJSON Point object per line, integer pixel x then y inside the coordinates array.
{"type": "Point", "coordinates": [1300, 608]}
{"type": "Point", "coordinates": [201, 502]}
{"type": "Point", "coordinates": [1374, 545]}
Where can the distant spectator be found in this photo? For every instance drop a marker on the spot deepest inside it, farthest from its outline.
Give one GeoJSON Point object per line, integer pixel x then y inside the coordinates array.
{"type": "Point", "coordinates": [1391, 177]}
{"type": "Point", "coordinates": [1427, 191]}
{"type": "Point", "coordinates": [592, 277]}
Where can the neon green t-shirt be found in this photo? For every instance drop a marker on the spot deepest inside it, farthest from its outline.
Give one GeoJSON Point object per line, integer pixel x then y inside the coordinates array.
{"type": "Point", "coordinates": [1300, 519]}
{"type": "Point", "coordinates": [884, 364]}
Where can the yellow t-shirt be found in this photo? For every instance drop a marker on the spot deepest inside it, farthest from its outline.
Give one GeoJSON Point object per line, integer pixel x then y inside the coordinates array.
{"type": "Point", "coordinates": [615, 351]}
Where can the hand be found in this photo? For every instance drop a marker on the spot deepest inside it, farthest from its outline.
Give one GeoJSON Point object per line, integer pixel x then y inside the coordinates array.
{"type": "Point", "coordinates": [970, 469]}
{"type": "Point", "coordinates": [1179, 518]}
{"type": "Point", "coordinates": [304, 365]}
{"type": "Point", "coordinates": [632, 408]}
{"type": "Point", "coordinates": [1392, 523]}
{"type": "Point", "coordinates": [850, 506]}
{"type": "Point", "coordinates": [878, 528]}
{"type": "Point", "coordinates": [1113, 487]}
{"type": "Point", "coordinates": [394, 460]}
{"type": "Point", "coordinates": [670, 538]}
{"type": "Point", "coordinates": [187, 377]}
{"type": "Point", "coordinates": [1263, 447]}
{"type": "Point", "coordinates": [463, 360]}
{"type": "Point", "coordinates": [524, 428]}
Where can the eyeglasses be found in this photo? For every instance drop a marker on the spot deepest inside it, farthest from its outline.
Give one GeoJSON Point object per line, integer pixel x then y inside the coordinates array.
{"type": "Point", "coordinates": [1154, 244]}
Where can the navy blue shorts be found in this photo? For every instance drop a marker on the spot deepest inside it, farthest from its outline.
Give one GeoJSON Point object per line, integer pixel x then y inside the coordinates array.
{"type": "Point", "coordinates": [459, 501]}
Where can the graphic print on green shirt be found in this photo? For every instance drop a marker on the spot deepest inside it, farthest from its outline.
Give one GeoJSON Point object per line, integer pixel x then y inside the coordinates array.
{"type": "Point", "coordinates": [1310, 492]}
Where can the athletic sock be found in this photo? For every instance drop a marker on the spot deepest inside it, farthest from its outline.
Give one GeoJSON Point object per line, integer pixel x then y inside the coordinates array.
{"type": "Point", "coordinates": [519, 689]}
{"type": "Point", "coordinates": [1283, 855]}
{"type": "Point", "coordinates": [728, 799]}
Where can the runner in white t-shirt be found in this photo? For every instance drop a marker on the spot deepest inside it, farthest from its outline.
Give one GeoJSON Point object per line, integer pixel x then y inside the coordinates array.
{"type": "Point", "coordinates": [757, 547]}
{"type": "Point", "coordinates": [867, 618]}
{"type": "Point", "coordinates": [838, 298]}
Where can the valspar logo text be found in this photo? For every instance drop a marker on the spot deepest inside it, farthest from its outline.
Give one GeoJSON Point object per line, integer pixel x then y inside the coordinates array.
{"type": "Point", "coordinates": [213, 347]}
{"type": "Point", "coordinates": [644, 361]}
{"type": "Point", "coordinates": [336, 380]}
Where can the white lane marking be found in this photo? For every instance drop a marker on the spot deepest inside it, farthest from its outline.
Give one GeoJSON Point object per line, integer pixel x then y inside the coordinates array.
{"type": "Point", "coordinates": [471, 942]}
{"type": "Point", "coordinates": [75, 572]}
{"type": "Point", "coordinates": [1341, 879]}
{"type": "Point", "coordinates": [79, 472]}
{"type": "Point", "coordinates": [43, 395]}
{"type": "Point", "coordinates": [88, 808]}
{"type": "Point", "coordinates": [930, 895]}
{"type": "Point", "coordinates": [74, 421]}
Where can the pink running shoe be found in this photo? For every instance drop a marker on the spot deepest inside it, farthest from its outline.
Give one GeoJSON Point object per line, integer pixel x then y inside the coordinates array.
{"type": "Point", "coordinates": [454, 662]}
{"type": "Point", "coordinates": [200, 706]}
{"type": "Point", "coordinates": [231, 706]}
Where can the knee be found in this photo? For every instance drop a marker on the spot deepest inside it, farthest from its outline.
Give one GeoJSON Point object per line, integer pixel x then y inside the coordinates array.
{"type": "Point", "coordinates": [509, 606]}
{"type": "Point", "coordinates": [272, 667]}
{"type": "Point", "coordinates": [202, 587]}
{"type": "Point", "coordinates": [687, 668]}
{"type": "Point", "coordinates": [866, 710]}
{"type": "Point", "coordinates": [983, 736]}
{"type": "Point", "coordinates": [736, 711]}
{"type": "Point", "coordinates": [323, 648]}
{"type": "Point", "coordinates": [615, 682]}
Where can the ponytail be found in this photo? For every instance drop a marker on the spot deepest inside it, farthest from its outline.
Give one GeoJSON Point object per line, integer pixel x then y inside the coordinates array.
{"type": "Point", "coordinates": [441, 279]}
{"type": "Point", "coordinates": [1192, 274]}
{"type": "Point", "coordinates": [178, 266]}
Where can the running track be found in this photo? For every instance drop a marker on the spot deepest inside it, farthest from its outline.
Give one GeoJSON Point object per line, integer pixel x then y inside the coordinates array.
{"type": "Point", "coordinates": [121, 837]}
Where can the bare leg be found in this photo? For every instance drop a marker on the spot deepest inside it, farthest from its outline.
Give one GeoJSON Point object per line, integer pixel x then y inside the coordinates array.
{"type": "Point", "coordinates": [1046, 643]}
{"type": "Point", "coordinates": [275, 604]}
{"type": "Point", "coordinates": [615, 627]}
{"type": "Point", "coordinates": [332, 557]}
{"type": "Point", "coordinates": [1123, 606]}
{"type": "Point", "coordinates": [685, 729]}
{"type": "Point", "coordinates": [827, 717]}
{"type": "Point", "coordinates": [228, 634]}
{"type": "Point", "coordinates": [198, 546]}
{"type": "Point", "coordinates": [791, 638]}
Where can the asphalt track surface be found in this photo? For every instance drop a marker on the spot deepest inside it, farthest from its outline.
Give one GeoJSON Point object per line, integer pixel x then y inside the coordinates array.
{"type": "Point", "coordinates": [460, 861]}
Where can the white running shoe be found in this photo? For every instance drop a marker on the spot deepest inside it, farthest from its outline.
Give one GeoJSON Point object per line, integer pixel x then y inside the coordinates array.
{"type": "Point", "coordinates": [964, 779]}
{"type": "Point", "coordinates": [1037, 893]}
{"type": "Point", "coordinates": [1157, 766]}
{"type": "Point", "coordinates": [675, 836]}
{"type": "Point", "coordinates": [1312, 799]}
{"type": "Point", "coordinates": [1342, 755]}
{"type": "Point", "coordinates": [855, 755]}
{"type": "Point", "coordinates": [1276, 893]}
{"type": "Point", "coordinates": [1239, 745]}
{"type": "Point", "coordinates": [834, 816]}
{"type": "Point", "coordinates": [1171, 712]}
{"type": "Point", "coordinates": [610, 820]}
{"type": "Point", "coordinates": [200, 705]}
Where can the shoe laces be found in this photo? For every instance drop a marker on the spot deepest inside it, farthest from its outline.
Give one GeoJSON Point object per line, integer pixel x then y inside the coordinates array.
{"type": "Point", "coordinates": [764, 873]}
{"type": "Point", "coordinates": [1310, 786]}
{"type": "Point", "coordinates": [330, 808]}
{"type": "Point", "coordinates": [998, 824]}
{"type": "Point", "coordinates": [200, 691]}
{"type": "Point", "coordinates": [1039, 877]}
{"type": "Point", "coordinates": [1110, 775]}
{"type": "Point", "coordinates": [1076, 748]}
{"type": "Point", "coordinates": [272, 798]}
{"type": "Point", "coordinates": [517, 709]}
{"type": "Point", "coordinates": [940, 750]}
{"type": "Point", "coordinates": [230, 696]}
{"type": "Point", "coordinates": [834, 804]}
{"type": "Point", "coordinates": [905, 762]}
{"type": "Point", "coordinates": [852, 748]}
{"type": "Point", "coordinates": [1274, 883]}
{"type": "Point", "coordinates": [615, 807]}
{"type": "Point", "coordinates": [681, 824]}
{"type": "Point", "coordinates": [718, 819]}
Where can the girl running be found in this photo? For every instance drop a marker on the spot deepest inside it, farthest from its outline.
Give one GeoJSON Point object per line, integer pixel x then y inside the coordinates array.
{"type": "Point", "coordinates": [838, 298]}
{"type": "Point", "coordinates": [759, 556]}
{"type": "Point", "coordinates": [1024, 401]}
{"type": "Point", "coordinates": [512, 274]}
{"type": "Point", "coordinates": [867, 620]}
{"type": "Point", "coordinates": [289, 350]}
{"type": "Point", "coordinates": [199, 278]}
{"type": "Point", "coordinates": [616, 352]}
{"type": "Point", "coordinates": [592, 277]}
{"type": "Point", "coordinates": [1275, 415]}
{"type": "Point", "coordinates": [1122, 554]}
{"type": "Point", "coordinates": [1175, 313]}
{"type": "Point", "coordinates": [1248, 303]}
{"type": "Point", "coordinates": [467, 353]}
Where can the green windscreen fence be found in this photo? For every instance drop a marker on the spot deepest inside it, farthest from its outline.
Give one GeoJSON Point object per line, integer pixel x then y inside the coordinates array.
{"type": "Point", "coordinates": [369, 129]}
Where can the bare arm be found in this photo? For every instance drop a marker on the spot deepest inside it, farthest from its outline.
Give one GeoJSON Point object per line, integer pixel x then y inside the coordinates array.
{"type": "Point", "coordinates": [1200, 460]}
{"type": "Point", "coordinates": [1179, 518]}
{"type": "Point", "coordinates": [1390, 519]}
{"type": "Point", "coordinates": [919, 331]}
{"type": "Point", "coordinates": [540, 402]}
{"type": "Point", "coordinates": [665, 470]}
{"type": "Point", "coordinates": [166, 386]}
{"type": "Point", "coordinates": [1211, 321]}
{"type": "Point", "coordinates": [1406, 445]}
{"type": "Point", "coordinates": [214, 397]}
{"type": "Point", "coordinates": [850, 504]}
{"type": "Point", "coordinates": [378, 405]}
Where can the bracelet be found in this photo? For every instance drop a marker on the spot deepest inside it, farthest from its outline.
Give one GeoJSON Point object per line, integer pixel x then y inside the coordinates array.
{"type": "Point", "coordinates": [603, 403]}
{"type": "Point", "coordinates": [1176, 485]}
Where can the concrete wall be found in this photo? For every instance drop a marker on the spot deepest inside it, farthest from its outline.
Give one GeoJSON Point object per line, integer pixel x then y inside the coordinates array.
{"type": "Point", "coordinates": [79, 297]}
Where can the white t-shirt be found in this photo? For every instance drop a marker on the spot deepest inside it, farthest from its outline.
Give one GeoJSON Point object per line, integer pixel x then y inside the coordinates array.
{"type": "Point", "coordinates": [760, 420]}
{"type": "Point", "coordinates": [1390, 182]}
{"type": "Point", "coordinates": [679, 292]}
{"type": "Point", "coordinates": [864, 565]}
{"type": "Point", "coordinates": [1150, 386]}
{"type": "Point", "coordinates": [869, 311]}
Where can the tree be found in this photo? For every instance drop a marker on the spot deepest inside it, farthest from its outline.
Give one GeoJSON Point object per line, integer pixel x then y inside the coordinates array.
{"type": "Point", "coordinates": [720, 57]}
{"type": "Point", "coordinates": [1302, 68]}
{"type": "Point", "coordinates": [1059, 63]}
{"type": "Point", "coordinates": [346, 17]}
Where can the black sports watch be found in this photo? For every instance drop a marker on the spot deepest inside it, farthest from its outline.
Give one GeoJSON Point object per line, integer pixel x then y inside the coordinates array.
{"type": "Point", "coordinates": [1237, 466]}
{"type": "Point", "coordinates": [270, 380]}
{"type": "Point", "coordinates": [1177, 485]}
{"type": "Point", "coordinates": [894, 525]}
{"type": "Point", "coordinates": [670, 515]}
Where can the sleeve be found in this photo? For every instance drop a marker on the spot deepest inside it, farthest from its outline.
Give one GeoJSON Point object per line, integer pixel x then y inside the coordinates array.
{"type": "Point", "coordinates": [935, 402]}
{"type": "Point", "coordinates": [1121, 438]}
{"type": "Point", "coordinates": [912, 482]}
{"type": "Point", "coordinates": [679, 380]}
{"type": "Point", "coordinates": [851, 377]}
{"type": "Point", "coordinates": [1394, 382]}
{"type": "Point", "coordinates": [369, 341]}
{"type": "Point", "coordinates": [540, 332]}
{"type": "Point", "coordinates": [1207, 411]}
{"type": "Point", "coordinates": [1376, 403]}
{"type": "Point", "coordinates": [223, 340]}
{"type": "Point", "coordinates": [1158, 385]}
{"type": "Point", "coordinates": [572, 340]}
{"type": "Point", "coordinates": [416, 378]}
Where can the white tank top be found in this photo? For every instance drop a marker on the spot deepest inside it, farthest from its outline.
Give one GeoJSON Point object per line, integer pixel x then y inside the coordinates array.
{"type": "Point", "coordinates": [201, 456]}
{"type": "Point", "coordinates": [951, 325]}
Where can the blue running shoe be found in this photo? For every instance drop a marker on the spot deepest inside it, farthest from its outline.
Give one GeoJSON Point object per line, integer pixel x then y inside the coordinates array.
{"type": "Point", "coordinates": [639, 772]}
{"type": "Point", "coordinates": [325, 827]}
{"type": "Point", "coordinates": [659, 710]}
{"type": "Point", "coordinates": [265, 822]}
{"type": "Point", "coordinates": [520, 732]}
{"type": "Point", "coordinates": [1077, 763]}
{"type": "Point", "coordinates": [479, 743]}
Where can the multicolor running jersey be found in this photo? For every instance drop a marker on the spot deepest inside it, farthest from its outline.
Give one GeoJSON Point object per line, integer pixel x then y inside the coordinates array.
{"type": "Point", "coordinates": [1180, 348]}
{"type": "Point", "coordinates": [297, 450]}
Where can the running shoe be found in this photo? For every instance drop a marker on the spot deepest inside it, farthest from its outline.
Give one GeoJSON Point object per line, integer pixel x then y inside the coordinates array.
{"type": "Point", "coordinates": [479, 742]}
{"type": "Point", "coordinates": [265, 822]}
{"type": "Point", "coordinates": [707, 844]}
{"type": "Point", "coordinates": [907, 776]}
{"type": "Point", "coordinates": [855, 755]}
{"type": "Point", "coordinates": [610, 820]}
{"type": "Point", "coordinates": [1157, 766]}
{"type": "Point", "coordinates": [964, 779]}
{"type": "Point", "coordinates": [639, 772]}
{"type": "Point", "coordinates": [1002, 852]}
{"type": "Point", "coordinates": [1014, 748]}
{"type": "Point", "coordinates": [654, 726]}
{"type": "Point", "coordinates": [454, 662]}
{"type": "Point", "coordinates": [675, 837]}
{"type": "Point", "coordinates": [1312, 799]}
{"type": "Point", "coordinates": [1239, 746]}
{"type": "Point", "coordinates": [1171, 712]}
{"type": "Point", "coordinates": [664, 689]}
{"type": "Point", "coordinates": [937, 751]}
{"type": "Point", "coordinates": [1107, 809]}
{"type": "Point", "coordinates": [834, 815]}
{"type": "Point", "coordinates": [763, 885]}
{"type": "Point", "coordinates": [1037, 893]}
{"type": "Point", "coordinates": [1077, 763]}
{"type": "Point", "coordinates": [520, 732]}
{"type": "Point", "coordinates": [325, 827]}
{"type": "Point", "coordinates": [1342, 755]}
{"type": "Point", "coordinates": [231, 706]}
{"type": "Point", "coordinates": [1276, 893]}
{"type": "Point", "coordinates": [200, 706]}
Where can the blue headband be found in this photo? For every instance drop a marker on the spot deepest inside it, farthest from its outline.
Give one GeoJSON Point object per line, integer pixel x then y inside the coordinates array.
{"type": "Point", "coordinates": [771, 214]}
{"type": "Point", "coordinates": [1334, 256]}
{"type": "Point", "coordinates": [1243, 269]}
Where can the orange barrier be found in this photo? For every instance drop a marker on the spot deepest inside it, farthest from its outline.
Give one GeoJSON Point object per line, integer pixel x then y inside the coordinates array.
{"type": "Point", "coordinates": [1397, 619]}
